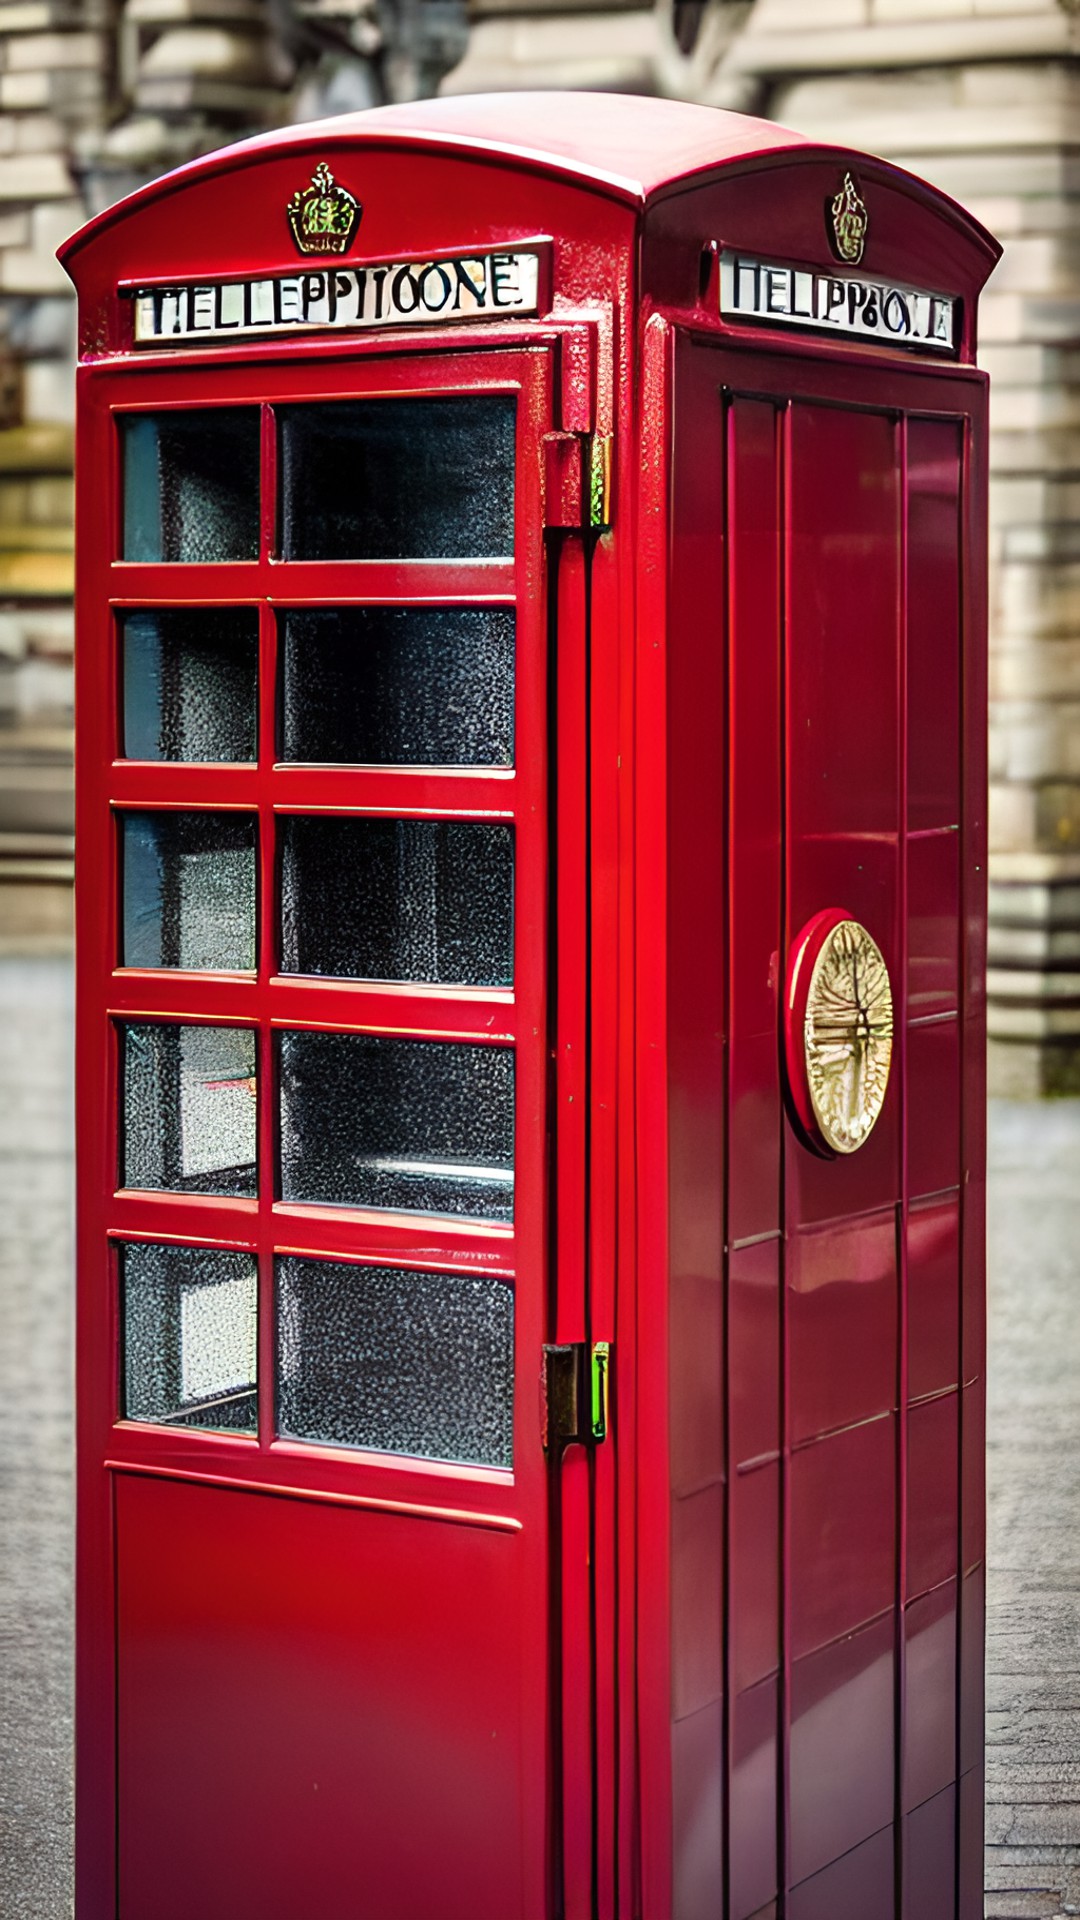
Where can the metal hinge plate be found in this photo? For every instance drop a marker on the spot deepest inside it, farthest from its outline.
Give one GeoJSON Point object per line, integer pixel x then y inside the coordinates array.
{"type": "Point", "coordinates": [575, 1394]}
{"type": "Point", "coordinates": [577, 481]}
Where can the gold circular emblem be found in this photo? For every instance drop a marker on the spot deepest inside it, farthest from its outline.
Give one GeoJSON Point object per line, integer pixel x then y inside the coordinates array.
{"type": "Point", "coordinates": [847, 1034]}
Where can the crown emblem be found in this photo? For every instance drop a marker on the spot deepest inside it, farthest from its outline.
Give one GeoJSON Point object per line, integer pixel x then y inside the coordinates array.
{"type": "Point", "coordinates": [850, 221]}
{"type": "Point", "coordinates": [323, 216]}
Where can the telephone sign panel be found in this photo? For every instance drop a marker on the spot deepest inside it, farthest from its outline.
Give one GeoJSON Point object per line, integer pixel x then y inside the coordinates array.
{"type": "Point", "coordinates": [531, 700]}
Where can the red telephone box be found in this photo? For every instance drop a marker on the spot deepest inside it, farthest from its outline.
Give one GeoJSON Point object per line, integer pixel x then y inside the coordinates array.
{"type": "Point", "coordinates": [531, 774]}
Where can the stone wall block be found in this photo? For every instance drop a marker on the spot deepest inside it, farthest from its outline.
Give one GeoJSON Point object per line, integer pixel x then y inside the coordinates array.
{"type": "Point", "coordinates": [1011, 817]}
{"type": "Point", "coordinates": [40, 133]}
{"type": "Point", "coordinates": [218, 52]}
{"type": "Point", "coordinates": [32, 179]}
{"type": "Point", "coordinates": [32, 52]}
{"type": "Point", "coordinates": [1011, 83]}
{"type": "Point", "coordinates": [50, 389]}
{"type": "Point", "coordinates": [888, 12]}
{"type": "Point", "coordinates": [783, 16]}
{"type": "Point", "coordinates": [1040, 602]}
{"type": "Point", "coordinates": [1039, 264]}
{"type": "Point", "coordinates": [967, 176]}
{"type": "Point", "coordinates": [1057, 814]}
{"type": "Point", "coordinates": [616, 50]}
{"type": "Point", "coordinates": [1036, 745]}
{"type": "Point", "coordinates": [1049, 450]}
{"type": "Point", "coordinates": [1045, 674]}
{"type": "Point", "coordinates": [1049, 405]}
{"type": "Point", "coordinates": [1029, 363]}
{"type": "Point", "coordinates": [1046, 541]}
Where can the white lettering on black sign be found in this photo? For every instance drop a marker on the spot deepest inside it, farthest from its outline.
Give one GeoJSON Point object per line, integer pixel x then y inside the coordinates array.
{"type": "Point", "coordinates": [478, 286]}
{"type": "Point", "coordinates": [836, 303]}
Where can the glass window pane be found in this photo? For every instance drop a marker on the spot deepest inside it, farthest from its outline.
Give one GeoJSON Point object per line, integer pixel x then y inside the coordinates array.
{"type": "Point", "coordinates": [399, 686]}
{"type": "Point", "coordinates": [419, 1363]}
{"type": "Point", "coordinates": [190, 679]}
{"type": "Point", "coordinates": [398, 900]}
{"type": "Point", "coordinates": [188, 891]}
{"type": "Point", "coordinates": [190, 1320]}
{"type": "Point", "coordinates": [191, 484]}
{"type": "Point", "coordinates": [188, 1108]}
{"type": "Point", "coordinates": [370, 1122]}
{"type": "Point", "coordinates": [406, 479]}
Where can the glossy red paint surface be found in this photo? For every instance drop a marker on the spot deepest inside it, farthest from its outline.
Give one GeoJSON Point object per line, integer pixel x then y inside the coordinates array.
{"type": "Point", "coordinates": [842, 1315]}
{"type": "Point", "coordinates": [862, 1882]}
{"type": "Point", "coordinates": [842, 1780]}
{"type": "Point", "coordinates": [930, 1639]}
{"type": "Point", "coordinates": [930, 1859]}
{"type": "Point", "coordinates": [658, 1679]}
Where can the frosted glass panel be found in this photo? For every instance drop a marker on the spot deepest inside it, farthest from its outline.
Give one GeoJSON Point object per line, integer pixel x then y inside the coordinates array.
{"type": "Point", "coordinates": [368, 1122]}
{"type": "Point", "coordinates": [191, 484]}
{"type": "Point", "coordinates": [188, 890]}
{"type": "Point", "coordinates": [408, 479]}
{"type": "Point", "coordinates": [188, 1108]}
{"type": "Point", "coordinates": [190, 1323]}
{"type": "Point", "coordinates": [399, 686]}
{"type": "Point", "coordinates": [424, 900]}
{"type": "Point", "coordinates": [190, 676]}
{"type": "Point", "coordinates": [418, 1363]}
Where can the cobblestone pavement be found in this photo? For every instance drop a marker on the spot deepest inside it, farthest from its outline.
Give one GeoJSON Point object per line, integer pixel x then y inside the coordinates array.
{"type": "Point", "coordinates": [35, 1439]}
{"type": "Point", "coordinates": [1033, 1722]}
{"type": "Point", "coordinates": [1033, 1640]}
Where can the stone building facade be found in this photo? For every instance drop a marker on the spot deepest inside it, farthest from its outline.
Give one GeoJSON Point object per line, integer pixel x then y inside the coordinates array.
{"type": "Point", "coordinates": [981, 96]}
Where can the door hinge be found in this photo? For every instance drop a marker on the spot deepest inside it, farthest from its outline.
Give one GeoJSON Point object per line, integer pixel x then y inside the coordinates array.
{"type": "Point", "coordinates": [574, 1394]}
{"type": "Point", "coordinates": [600, 449]}
{"type": "Point", "coordinates": [577, 481]}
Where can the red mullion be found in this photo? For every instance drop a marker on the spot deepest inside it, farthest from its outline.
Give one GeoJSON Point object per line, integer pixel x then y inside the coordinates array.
{"type": "Point", "coordinates": [785, 490]}
{"type": "Point", "coordinates": [571, 1093]}
{"type": "Point", "coordinates": [901, 1025]}
{"type": "Point", "coordinates": [647, 1090]}
{"type": "Point", "coordinates": [267, 953]}
{"type": "Point", "coordinates": [170, 994]}
{"type": "Point", "coordinates": [413, 1241]}
{"type": "Point", "coordinates": [534, 1175]}
{"type": "Point", "coordinates": [400, 791]}
{"type": "Point", "coordinates": [605, 908]}
{"type": "Point", "coordinates": [203, 1219]}
{"type": "Point", "coordinates": [184, 583]}
{"type": "Point", "coordinates": [388, 582]}
{"type": "Point", "coordinates": [350, 1006]}
{"type": "Point", "coordinates": [211, 786]}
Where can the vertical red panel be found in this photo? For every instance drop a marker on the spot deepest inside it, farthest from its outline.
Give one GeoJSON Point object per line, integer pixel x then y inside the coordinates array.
{"type": "Point", "coordinates": [754, 1174]}
{"type": "Point", "coordinates": [754, 1575]}
{"type": "Point", "coordinates": [929, 1764]}
{"type": "Point", "coordinates": [933, 1513]}
{"type": "Point", "coordinates": [843, 1533]}
{"type": "Point", "coordinates": [696, 994]}
{"type": "Point", "coordinates": [842, 1308]}
{"type": "Point", "coordinates": [855, 1887]}
{"type": "Point", "coordinates": [754, 1301]}
{"type": "Point", "coordinates": [843, 605]}
{"type": "Point", "coordinates": [933, 1111]}
{"type": "Point", "coordinates": [930, 1859]}
{"type": "Point", "coordinates": [934, 449]}
{"type": "Point", "coordinates": [842, 1757]}
{"type": "Point", "coordinates": [697, 1792]}
{"type": "Point", "coordinates": [933, 880]}
{"type": "Point", "coordinates": [755, 787]}
{"type": "Point", "coordinates": [754, 1777]}
{"type": "Point", "coordinates": [933, 1285]}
